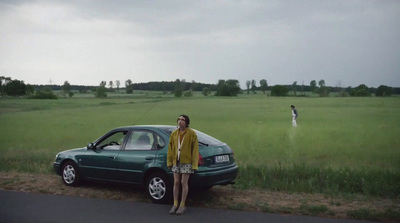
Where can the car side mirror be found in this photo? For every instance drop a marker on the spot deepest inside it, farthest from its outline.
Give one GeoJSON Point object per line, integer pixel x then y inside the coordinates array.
{"type": "Point", "coordinates": [90, 146]}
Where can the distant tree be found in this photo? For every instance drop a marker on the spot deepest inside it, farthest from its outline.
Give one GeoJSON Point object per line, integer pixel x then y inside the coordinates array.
{"type": "Point", "coordinates": [3, 83]}
{"type": "Point", "coordinates": [178, 88]}
{"type": "Point", "coordinates": [1, 86]}
{"type": "Point", "coordinates": [66, 88]}
{"type": "Point", "coordinates": [206, 91]}
{"type": "Point", "coordinates": [321, 83]}
{"type": "Point", "coordinates": [248, 86]}
{"type": "Point", "coordinates": [253, 86]}
{"type": "Point", "coordinates": [263, 85]}
{"type": "Point", "coordinates": [30, 90]}
{"type": "Point", "coordinates": [294, 88]}
{"type": "Point", "coordinates": [302, 89]}
{"type": "Point", "coordinates": [228, 88]}
{"type": "Point", "coordinates": [128, 82]}
{"type": "Point", "coordinates": [383, 91]}
{"type": "Point", "coordinates": [360, 91]}
{"type": "Point", "coordinates": [70, 94]}
{"type": "Point", "coordinates": [323, 91]}
{"type": "Point", "coordinates": [313, 86]}
{"type": "Point", "coordinates": [193, 85]}
{"type": "Point", "coordinates": [15, 88]}
{"type": "Point", "coordinates": [341, 91]}
{"type": "Point", "coordinates": [348, 90]}
{"type": "Point", "coordinates": [128, 86]}
{"type": "Point", "coordinates": [103, 84]}
{"type": "Point", "coordinates": [101, 92]}
{"type": "Point", "coordinates": [111, 84]}
{"type": "Point", "coordinates": [184, 85]}
{"type": "Point", "coordinates": [279, 90]}
{"type": "Point", "coordinates": [118, 83]}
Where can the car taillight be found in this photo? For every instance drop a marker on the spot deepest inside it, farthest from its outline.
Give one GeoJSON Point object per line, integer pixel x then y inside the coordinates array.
{"type": "Point", "coordinates": [233, 153]}
{"type": "Point", "coordinates": [201, 160]}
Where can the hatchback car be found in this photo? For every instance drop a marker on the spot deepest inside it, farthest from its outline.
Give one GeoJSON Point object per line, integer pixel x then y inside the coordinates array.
{"type": "Point", "coordinates": [138, 155]}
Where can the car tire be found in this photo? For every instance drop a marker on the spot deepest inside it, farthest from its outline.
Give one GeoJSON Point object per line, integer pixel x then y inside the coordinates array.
{"type": "Point", "coordinates": [70, 174]}
{"type": "Point", "coordinates": [158, 188]}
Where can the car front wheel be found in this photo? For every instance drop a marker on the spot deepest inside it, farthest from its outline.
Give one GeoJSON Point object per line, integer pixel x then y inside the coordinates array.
{"type": "Point", "coordinates": [70, 174]}
{"type": "Point", "coordinates": [158, 188]}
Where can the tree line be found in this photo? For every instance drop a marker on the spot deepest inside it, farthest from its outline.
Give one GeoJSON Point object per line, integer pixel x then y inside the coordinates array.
{"type": "Point", "coordinates": [180, 87]}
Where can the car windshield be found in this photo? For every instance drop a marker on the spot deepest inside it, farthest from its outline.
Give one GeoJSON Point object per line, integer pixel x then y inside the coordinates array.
{"type": "Point", "coordinates": [203, 138]}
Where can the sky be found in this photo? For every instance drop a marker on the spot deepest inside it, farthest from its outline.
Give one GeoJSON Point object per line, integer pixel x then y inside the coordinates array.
{"type": "Point", "coordinates": [343, 42]}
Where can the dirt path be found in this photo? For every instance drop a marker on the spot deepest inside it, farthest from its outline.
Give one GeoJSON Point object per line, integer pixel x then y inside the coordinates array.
{"type": "Point", "coordinates": [225, 197]}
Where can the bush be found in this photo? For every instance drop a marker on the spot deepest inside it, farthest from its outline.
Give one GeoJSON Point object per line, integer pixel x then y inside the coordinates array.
{"type": "Point", "coordinates": [279, 90]}
{"type": "Point", "coordinates": [101, 92]}
{"type": "Point", "coordinates": [178, 93]}
{"type": "Point", "coordinates": [46, 93]}
{"type": "Point", "coordinates": [383, 91]}
{"type": "Point", "coordinates": [228, 88]}
{"type": "Point", "coordinates": [188, 94]}
{"type": "Point", "coordinates": [206, 91]}
{"type": "Point", "coordinates": [360, 91]}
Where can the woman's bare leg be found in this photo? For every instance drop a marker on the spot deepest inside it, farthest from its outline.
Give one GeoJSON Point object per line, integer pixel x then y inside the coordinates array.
{"type": "Point", "coordinates": [185, 187]}
{"type": "Point", "coordinates": [177, 187]}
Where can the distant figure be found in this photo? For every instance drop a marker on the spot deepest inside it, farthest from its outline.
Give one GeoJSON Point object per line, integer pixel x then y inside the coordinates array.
{"type": "Point", "coordinates": [294, 115]}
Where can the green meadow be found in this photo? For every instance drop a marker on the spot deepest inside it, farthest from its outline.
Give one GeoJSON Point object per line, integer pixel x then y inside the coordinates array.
{"type": "Point", "coordinates": [341, 145]}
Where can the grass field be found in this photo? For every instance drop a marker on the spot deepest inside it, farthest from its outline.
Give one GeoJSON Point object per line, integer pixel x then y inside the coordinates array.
{"type": "Point", "coordinates": [341, 145]}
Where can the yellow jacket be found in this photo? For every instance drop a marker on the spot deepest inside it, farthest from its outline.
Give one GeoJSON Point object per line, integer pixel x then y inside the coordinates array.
{"type": "Point", "coordinates": [189, 150]}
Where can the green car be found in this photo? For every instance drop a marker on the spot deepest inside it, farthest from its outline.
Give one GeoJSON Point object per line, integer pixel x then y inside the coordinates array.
{"type": "Point", "coordinates": [138, 155]}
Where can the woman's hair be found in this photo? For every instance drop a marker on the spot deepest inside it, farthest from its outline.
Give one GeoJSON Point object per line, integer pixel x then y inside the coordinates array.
{"type": "Point", "coordinates": [187, 120]}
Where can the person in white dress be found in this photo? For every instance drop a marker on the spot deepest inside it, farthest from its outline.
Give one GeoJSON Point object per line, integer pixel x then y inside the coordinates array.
{"type": "Point", "coordinates": [294, 116]}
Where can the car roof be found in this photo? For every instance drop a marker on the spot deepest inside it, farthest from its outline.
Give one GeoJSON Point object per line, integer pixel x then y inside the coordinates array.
{"type": "Point", "coordinates": [167, 129]}
{"type": "Point", "coordinates": [145, 127]}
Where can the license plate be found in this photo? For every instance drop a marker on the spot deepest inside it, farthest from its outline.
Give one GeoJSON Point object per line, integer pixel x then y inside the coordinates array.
{"type": "Point", "coordinates": [222, 159]}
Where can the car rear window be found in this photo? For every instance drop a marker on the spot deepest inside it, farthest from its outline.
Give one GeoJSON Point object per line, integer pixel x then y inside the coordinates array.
{"type": "Point", "coordinates": [203, 138]}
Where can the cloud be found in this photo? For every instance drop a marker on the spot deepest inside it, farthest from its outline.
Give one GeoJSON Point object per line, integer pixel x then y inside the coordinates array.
{"type": "Point", "coordinates": [86, 42]}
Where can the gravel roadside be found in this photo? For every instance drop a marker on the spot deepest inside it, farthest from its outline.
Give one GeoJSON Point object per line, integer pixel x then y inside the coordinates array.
{"type": "Point", "coordinates": [223, 197]}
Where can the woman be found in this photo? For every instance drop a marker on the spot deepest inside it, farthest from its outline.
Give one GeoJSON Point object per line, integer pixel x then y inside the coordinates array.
{"type": "Point", "coordinates": [182, 158]}
{"type": "Point", "coordinates": [294, 116]}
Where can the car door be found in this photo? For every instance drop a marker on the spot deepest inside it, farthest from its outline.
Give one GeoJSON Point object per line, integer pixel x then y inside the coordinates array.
{"type": "Point", "coordinates": [138, 153]}
{"type": "Point", "coordinates": [100, 162]}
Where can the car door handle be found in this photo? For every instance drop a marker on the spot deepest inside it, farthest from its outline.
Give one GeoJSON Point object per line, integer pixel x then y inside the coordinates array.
{"type": "Point", "coordinates": [149, 158]}
{"type": "Point", "coordinates": [112, 157]}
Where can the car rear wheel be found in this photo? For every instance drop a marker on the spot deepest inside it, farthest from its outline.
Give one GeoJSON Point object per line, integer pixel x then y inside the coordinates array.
{"type": "Point", "coordinates": [70, 174]}
{"type": "Point", "coordinates": [158, 188]}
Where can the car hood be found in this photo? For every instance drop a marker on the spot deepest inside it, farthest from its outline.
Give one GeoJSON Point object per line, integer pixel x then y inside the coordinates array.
{"type": "Point", "coordinates": [72, 151]}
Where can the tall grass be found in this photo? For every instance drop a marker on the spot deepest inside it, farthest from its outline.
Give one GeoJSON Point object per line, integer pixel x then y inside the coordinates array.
{"type": "Point", "coordinates": [339, 144]}
{"type": "Point", "coordinates": [309, 179]}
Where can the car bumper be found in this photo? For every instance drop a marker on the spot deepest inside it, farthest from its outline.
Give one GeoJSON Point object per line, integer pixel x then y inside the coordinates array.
{"type": "Point", "coordinates": [57, 168]}
{"type": "Point", "coordinates": [223, 176]}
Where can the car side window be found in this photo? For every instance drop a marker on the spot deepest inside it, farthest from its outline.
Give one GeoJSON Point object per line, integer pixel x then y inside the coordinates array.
{"type": "Point", "coordinates": [160, 143]}
{"type": "Point", "coordinates": [140, 140]}
{"type": "Point", "coordinates": [113, 142]}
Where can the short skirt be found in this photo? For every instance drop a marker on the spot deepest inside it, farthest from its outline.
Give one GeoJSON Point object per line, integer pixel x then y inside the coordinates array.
{"type": "Point", "coordinates": [182, 168]}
